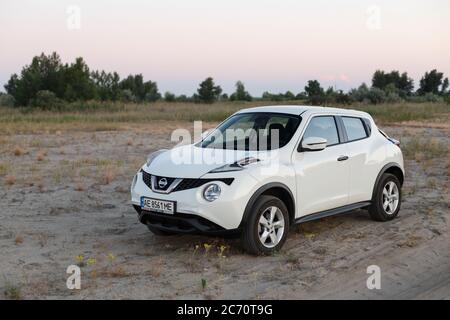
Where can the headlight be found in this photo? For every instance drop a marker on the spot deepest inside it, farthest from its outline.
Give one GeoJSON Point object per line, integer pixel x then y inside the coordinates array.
{"type": "Point", "coordinates": [237, 166]}
{"type": "Point", "coordinates": [152, 156]}
{"type": "Point", "coordinates": [211, 192]}
{"type": "Point", "coordinates": [133, 184]}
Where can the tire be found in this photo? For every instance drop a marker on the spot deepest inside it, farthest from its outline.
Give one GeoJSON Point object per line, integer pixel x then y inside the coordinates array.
{"type": "Point", "coordinates": [253, 231]}
{"type": "Point", "coordinates": [159, 232]}
{"type": "Point", "coordinates": [378, 210]}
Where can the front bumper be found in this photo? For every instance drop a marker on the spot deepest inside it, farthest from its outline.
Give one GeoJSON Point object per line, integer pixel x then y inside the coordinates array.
{"type": "Point", "coordinates": [181, 223]}
{"type": "Point", "coordinates": [193, 213]}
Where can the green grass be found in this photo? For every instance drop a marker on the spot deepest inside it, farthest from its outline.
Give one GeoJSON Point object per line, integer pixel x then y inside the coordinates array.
{"type": "Point", "coordinates": [4, 168]}
{"type": "Point", "coordinates": [12, 291]}
{"type": "Point", "coordinates": [96, 116]}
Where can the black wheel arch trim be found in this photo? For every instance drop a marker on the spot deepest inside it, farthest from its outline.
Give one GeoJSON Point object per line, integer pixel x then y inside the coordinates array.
{"type": "Point", "coordinates": [382, 171]}
{"type": "Point", "coordinates": [259, 192]}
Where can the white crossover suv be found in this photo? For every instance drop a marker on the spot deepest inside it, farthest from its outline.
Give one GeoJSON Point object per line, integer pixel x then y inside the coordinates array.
{"type": "Point", "coordinates": [265, 169]}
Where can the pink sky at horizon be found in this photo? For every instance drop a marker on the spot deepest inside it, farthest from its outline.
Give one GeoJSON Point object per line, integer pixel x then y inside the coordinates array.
{"type": "Point", "coordinates": [269, 45]}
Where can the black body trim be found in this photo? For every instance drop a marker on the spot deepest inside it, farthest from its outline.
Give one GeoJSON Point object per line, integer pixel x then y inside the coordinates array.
{"type": "Point", "coordinates": [367, 125]}
{"type": "Point", "coordinates": [383, 170]}
{"type": "Point", "coordinates": [181, 223]}
{"type": "Point", "coordinates": [259, 192]}
{"type": "Point", "coordinates": [341, 130]}
{"type": "Point", "coordinates": [332, 212]}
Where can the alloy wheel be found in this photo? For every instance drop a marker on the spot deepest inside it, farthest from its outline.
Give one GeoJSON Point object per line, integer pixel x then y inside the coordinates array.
{"type": "Point", "coordinates": [271, 227]}
{"type": "Point", "coordinates": [391, 196]}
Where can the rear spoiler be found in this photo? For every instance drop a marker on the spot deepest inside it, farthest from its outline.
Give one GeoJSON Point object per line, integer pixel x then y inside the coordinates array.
{"type": "Point", "coordinates": [394, 141]}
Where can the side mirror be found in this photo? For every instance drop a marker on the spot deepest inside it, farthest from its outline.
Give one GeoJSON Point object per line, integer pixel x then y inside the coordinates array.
{"type": "Point", "coordinates": [313, 144]}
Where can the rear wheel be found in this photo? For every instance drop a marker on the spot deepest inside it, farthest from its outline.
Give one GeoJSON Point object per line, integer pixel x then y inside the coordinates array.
{"type": "Point", "coordinates": [387, 200]}
{"type": "Point", "coordinates": [266, 228]}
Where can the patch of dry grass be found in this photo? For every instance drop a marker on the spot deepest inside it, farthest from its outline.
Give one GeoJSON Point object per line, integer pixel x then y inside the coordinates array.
{"type": "Point", "coordinates": [156, 268]}
{"type": "Point", "coordinates": [19, 151]}
{"type": "Point", "coordinates": [411, 242]}
{"type": "Point", "coordinates": [432, 183]}
{"type": "Point", "coordinates": [40, 186]}
{"type": "Point", "coordinates": [117, 272]}
{"type": "Point", "coordinates": [12, 291]}
{"type": "Point", "coordinates": [411, 190]}
{"type": "Point", "coordinates": [424, 149]}
{"type": "Point", "coordinates": [57, 175]}
{"type": "Point", "coordinates": [41, 155]}
{"type": "Point", "coordinates": [406, 111]}
{"type": "Point", "coordinates": [42, 239]}
{"type": "Point", "coordinates": [10, 180]}
{"type": "Point", "coordinates": [79, 187]}
{"type": "Point", "coordinates": [109, 174]}
{"type": "Point", "coordinates": [18, 240]}
{"type": "Point", "coordinates": [117, 116]}
{"type": "Point", "coordinates": [4, 168]}
{"type": "Point", "coordinates": [35, 143]}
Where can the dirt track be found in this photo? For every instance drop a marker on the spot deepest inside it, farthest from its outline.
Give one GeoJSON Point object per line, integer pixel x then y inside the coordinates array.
{"type": "Point", "coordinates": [70, 204]}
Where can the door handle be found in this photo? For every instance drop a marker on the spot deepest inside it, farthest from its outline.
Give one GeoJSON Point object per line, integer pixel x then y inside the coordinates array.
{"type": "Point", "coordinates": [342, 158]}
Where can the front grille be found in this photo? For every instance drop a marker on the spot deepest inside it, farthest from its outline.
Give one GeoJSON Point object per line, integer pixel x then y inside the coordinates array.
{"type": "Point", "coordinates": [159, 186]}
{"type": "Point", "coordinates": [147, 177]}
{"type": "Point", "coordinates": [185, 184]}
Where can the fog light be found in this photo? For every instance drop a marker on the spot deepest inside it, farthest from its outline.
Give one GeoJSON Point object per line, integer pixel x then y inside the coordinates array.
{"type": "Point", "coordinates": [211, 192]}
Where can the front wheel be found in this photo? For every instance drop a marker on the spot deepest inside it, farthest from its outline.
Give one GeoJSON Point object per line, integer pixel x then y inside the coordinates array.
{"type": "Point", "coordinates": [266, 228]}
{"type": "Point", "coordinates": [387, 200]}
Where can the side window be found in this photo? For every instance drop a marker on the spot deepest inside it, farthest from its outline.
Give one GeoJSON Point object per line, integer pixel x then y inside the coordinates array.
{"type": "Point", "coordinates": [323, 127]}
{"type": "Point", "coordinates": [354, 128]}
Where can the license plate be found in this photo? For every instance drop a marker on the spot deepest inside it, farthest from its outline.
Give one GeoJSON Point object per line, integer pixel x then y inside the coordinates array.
{"type": "Point", "coordinates": [157, 205]}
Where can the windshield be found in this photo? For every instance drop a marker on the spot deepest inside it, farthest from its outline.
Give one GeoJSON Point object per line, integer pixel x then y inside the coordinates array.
{"type": "Point", "coordinates": [253, 131]}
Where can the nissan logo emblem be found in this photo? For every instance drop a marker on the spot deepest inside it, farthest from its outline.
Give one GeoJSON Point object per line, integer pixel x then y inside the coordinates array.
{"type": "Point", "coordinates": [162, 183]}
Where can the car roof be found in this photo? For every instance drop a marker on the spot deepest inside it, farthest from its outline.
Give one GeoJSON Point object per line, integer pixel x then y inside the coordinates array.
{"type": "Point", "coordinates": [298, 110]}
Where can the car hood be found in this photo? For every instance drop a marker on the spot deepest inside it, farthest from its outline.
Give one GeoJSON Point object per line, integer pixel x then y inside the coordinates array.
{"type": "Point", "coordinates": [191, 161]}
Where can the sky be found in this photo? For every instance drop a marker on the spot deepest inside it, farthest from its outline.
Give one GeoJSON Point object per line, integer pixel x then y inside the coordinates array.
{"type": "Point", "coordinates": [270, 45]}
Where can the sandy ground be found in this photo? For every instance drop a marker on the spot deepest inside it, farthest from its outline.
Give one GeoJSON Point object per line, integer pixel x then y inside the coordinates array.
{"type": "Point", "coordinates": [64, 200]}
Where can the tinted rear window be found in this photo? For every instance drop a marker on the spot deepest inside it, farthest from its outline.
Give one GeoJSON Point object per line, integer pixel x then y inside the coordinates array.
{"type": "Point", "coordinates": [354, 128]}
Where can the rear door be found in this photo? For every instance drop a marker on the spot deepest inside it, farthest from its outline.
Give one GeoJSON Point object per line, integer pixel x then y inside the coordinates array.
{"type": "Point", "coordinates": [322, 177]}
{"type": "Point", "coordinates": [358, 146]}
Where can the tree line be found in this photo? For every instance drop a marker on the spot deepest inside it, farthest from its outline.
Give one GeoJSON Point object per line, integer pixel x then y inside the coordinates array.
{"type": "Point", "coordinates": [47, 82]}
